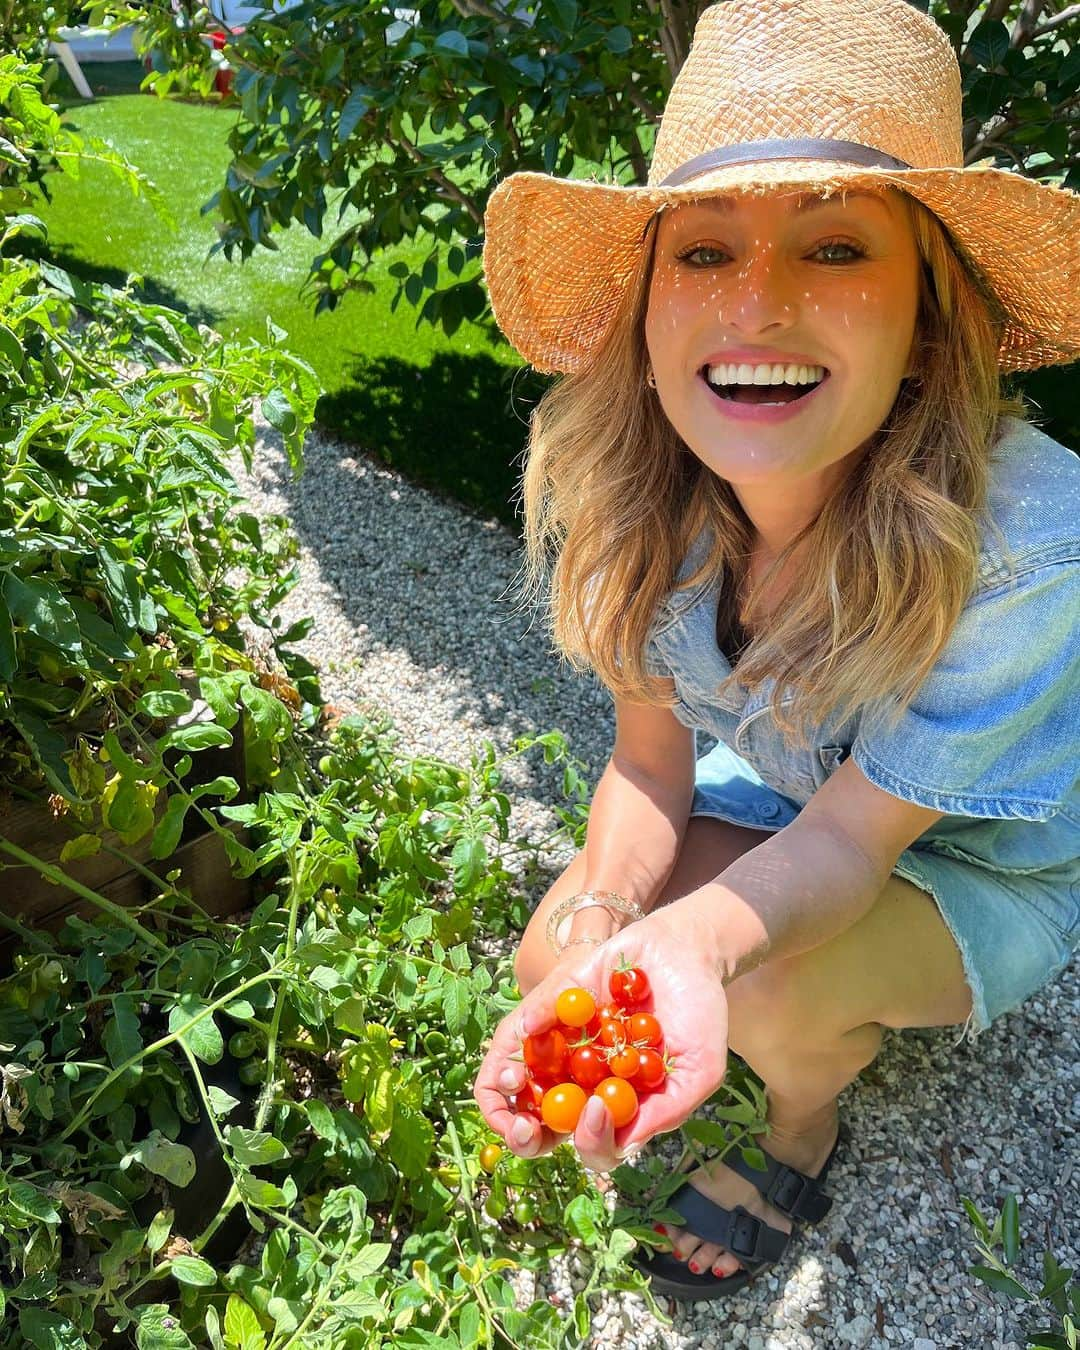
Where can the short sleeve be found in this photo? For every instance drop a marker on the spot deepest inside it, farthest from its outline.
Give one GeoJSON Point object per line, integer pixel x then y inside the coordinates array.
{"type": "Point", "coordinates": [993, 729]}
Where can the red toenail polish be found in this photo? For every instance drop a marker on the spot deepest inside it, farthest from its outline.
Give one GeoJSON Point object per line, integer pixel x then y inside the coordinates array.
{"type": "Point", "coordinates": [695, 1269]}
{"type": "Point", "coordinates": [659, 1228]}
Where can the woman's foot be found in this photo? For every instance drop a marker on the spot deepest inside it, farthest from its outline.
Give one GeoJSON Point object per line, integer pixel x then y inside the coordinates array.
{"type": "Point", "coordinates": [807, 1151]}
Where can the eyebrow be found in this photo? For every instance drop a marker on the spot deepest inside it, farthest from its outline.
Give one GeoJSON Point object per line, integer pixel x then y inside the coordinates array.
{"type": "Point", "coordinates": [806, 202]}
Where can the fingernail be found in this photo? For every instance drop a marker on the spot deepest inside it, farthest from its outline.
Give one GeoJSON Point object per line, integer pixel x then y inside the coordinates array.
{"type": "Point", "coordinates": [520, 1133]}
{"type": "Point", "coordinates": [508, 1080]}
{"type": "Point", "coordinates": [595, 1114]}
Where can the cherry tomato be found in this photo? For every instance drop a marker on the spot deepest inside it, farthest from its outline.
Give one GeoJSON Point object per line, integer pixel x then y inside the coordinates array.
{"type": "Point", "coordinates": [546, 1054]}
{"type": "Point", "coordinates": [527, 1100]}
{"type": "Point", "coordinates": [652, 1071]}
{"type": "Point", "coordinates": [575, 1007]}
{"type": "Point", "coordinates": [524, 1212]}
{"type": "Point", "coordinates": [562, 1106]}
{"type": "Point", "coordinates": [612, 1032]}
{"type": "Point", "coordinates": [494, 1207]}
{"type": "Point", "coordinates": [619, 1098]}
{"type": "Point", "coordinates": [629, 987]}
{"type": "Point", "coordinates": [588, 1066]}
{"type": "Point", "coordinates": [605, 1013]}
{"type": "Point", "coordinates": [625, 1061]}
{"type": "Point", "coordinates": [644, 1029]}
{"type": "Point", "coordinates": [489, 1157]}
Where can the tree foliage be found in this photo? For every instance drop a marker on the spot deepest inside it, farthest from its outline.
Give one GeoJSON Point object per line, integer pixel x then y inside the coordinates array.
{"type": "Point", "coordinates": [387, 129]}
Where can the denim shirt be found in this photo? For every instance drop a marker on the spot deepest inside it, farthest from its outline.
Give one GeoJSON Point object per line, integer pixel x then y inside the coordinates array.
{"type": "Point", "coordinates": [991, 737]}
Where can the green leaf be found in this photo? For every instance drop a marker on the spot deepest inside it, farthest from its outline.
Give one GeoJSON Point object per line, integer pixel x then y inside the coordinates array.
{"type": "Point", "coordinates": [204, 1038]}
{"type": "Point", "coordinates": [468, 860]}
{"type": "Point", "coordinates": [989, 43]}
{"type": "Point", "coordinates": [457, 1003]}
{"type": "Point", "coordinates": [48, 1330]}
{"type": "Point", "coordinates": [1010, 1218]}
{"type": "Point", "coordinates": [158, 1154]}
{"type": "Point", "coordinates": [8, 658]}
{"type": "Point", "coordinates": [196, 736]}
{"type": "Point", "coordinates": [49, 748]}
{"type": "Point", "coordinates": [706, 1132]}
{"type": "Point", "coordinates": [370, 1259]}
{"type": "Point", "coordinates": [278, 411]}
{"type": "Point", "coordinates": [40, 608]}
{"type": "Point", "coordinates": [165, 703]}
{"type": "Point", "coordinates": [193, 1270]}
{"type": "Point", "coordinates": [31, 1202]}
{"type": "Point", "coordinates": [1000, 1282]}
{"type": "Point", "coordinates": [583, 1215]}
{"type": "Point", "coordinates": [222, 1103]}
{"type": "Point", "coordinates": [170, 827]}
{"type": "Point", "coordinates": [121, 1036]}
{"type": "Point", "coordinates": [412, 1137]}
{"type": "Point", "coordinates": [452, 42]}
{"type": "Point", "coordinates": [158, 1232]}
{"type": "Point", "coordinates": [619, 40]}
{"type": "Point", "coordinates": [356, 105]}
{"type": "Point", "coordinates": [82, 846]}
{"type": "Point", "coordinates": [253, 1148]}
{"type": "Point", "coordinates": [242, 1327]}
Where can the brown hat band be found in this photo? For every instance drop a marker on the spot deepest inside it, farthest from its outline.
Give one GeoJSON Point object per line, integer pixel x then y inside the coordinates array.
{"type": "Point", "coordinates": [749, 152]}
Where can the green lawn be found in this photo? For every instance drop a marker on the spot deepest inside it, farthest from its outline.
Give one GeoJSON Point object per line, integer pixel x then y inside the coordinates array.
{"type": "Point", "coordinates": [437, 408]}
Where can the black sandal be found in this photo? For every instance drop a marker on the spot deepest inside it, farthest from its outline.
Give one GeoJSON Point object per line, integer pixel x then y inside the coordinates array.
{"type": "Point", "coordinates": [738, 1231]}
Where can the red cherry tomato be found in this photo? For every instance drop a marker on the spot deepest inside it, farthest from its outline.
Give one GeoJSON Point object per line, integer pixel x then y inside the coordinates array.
{"type": "Point", "coordinates": [588, 1066]}
{"type": "Point", "coordinates": [605, 1013]}
{"type": "Point", "coordinates": [644, 1029]}
{"type": "Point", "coordinates": [619, 1098]}
{"type": "Point", "coordinates": [575, 1007]}
{"type": "Point", "coordinates": [562, 1107]}
{"type": "Point", "coordinates": [527, 1099]}
{"type": "Point", "coordinates": [625, 1061]}
{"type": "Point", "coordinates": [629, 987]}
{"type": "Point", "coordinates": [546, 1055]}
{"type": "Point", "coordinates": [652, 1071]}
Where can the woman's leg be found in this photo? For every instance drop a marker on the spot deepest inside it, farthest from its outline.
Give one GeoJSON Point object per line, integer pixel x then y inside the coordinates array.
{"type": "Point", "coordinates": [807, 1025]}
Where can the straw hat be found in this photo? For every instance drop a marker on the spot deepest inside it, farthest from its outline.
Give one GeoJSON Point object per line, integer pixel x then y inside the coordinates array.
{"type": "Point", "coordinates": [817, 94]}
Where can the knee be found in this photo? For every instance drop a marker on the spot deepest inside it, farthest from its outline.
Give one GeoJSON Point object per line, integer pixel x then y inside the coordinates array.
{"type": "Point", "coordinates": [768, 1010]}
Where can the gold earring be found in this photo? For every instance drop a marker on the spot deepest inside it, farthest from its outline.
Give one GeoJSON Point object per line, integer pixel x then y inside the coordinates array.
{"type": "Point", "coordinates": [650, 379]}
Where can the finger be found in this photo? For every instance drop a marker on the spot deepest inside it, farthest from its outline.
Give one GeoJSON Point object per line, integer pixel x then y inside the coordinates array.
{"type": "Point", "coordinates": [526, 1137]}
{"type": "Point", "coordinates": [594, 1137]}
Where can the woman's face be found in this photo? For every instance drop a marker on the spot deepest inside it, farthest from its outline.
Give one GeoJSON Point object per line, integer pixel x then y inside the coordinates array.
{"type": "Point", "coordinates": [819, 294]}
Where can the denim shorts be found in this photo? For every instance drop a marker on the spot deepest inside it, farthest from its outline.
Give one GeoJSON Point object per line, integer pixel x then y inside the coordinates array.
{"type": "Point", "coordinates": [1015, 932]}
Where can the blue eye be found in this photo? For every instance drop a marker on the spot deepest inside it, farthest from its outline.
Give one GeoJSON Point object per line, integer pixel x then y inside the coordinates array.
{"type": "Point", "coordinates": [703, 255]}
{"type": "Point", "coordinates": [847, 252]}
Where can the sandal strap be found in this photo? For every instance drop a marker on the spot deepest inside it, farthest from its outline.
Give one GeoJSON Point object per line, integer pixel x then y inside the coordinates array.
{"type": "Point", "coordinates": [736, 1230]}
{"type": "Point", "coordinates": [790, 1191]}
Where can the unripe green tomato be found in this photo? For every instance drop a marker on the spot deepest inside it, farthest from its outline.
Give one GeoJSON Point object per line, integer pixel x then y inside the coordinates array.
{"type": "Point", "coordinates": [243, 1044]}
{"type": "Point", "coordinates": [495, 1207]}
{"type": "Point", "coordinates": [524, 1212]}
{"type": "Point", "coordinates": [489, 1157]}
{"type": "Point", "coordinates": [250, 1072]}
{"type": "Point", "coordinates": [327, 765]}
{"type": "Point", "coordinates": [435, 1042]}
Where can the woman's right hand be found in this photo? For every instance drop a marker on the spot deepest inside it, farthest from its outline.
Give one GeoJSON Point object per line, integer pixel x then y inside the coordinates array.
{"type": "Point", "coordinates": [689, 999]}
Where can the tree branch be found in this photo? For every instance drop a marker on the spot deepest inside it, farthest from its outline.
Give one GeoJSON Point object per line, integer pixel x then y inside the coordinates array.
{"type": "Point", "coordinates": [450, 189]}
{"type": "Point", "coordinates": [1025, 25]}
{"type": "Point", "coordinates": [471, 9]}
{"type": "Point", "coordinates": [997, 9]}
{"type": "Point", "coordinates": [1066, 16]}
{"type": "Point", "coordinates": [648, 110]}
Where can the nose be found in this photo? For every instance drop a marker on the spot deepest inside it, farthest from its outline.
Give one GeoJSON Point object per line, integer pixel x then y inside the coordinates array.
{"type": "Point", "coordinates": [763, 298]}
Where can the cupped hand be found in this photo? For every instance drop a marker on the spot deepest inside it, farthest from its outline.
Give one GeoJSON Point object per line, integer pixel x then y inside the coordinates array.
{"type": "Point", "coordinates": [689, 1000]}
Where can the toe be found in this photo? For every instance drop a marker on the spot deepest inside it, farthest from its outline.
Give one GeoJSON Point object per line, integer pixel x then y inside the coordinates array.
{"type": "Point", "coordinates": [703, 1258]}
{"type": "Point", "coordinates": [725, 1264]}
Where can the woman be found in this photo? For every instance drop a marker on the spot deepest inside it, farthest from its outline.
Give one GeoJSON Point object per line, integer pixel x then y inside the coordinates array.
{"type": "Point", "coordinates": [788, 506]}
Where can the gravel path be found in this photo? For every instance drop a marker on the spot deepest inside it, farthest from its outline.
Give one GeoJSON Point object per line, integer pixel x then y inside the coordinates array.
{"type": "Point", "coordinates": [414, 611]}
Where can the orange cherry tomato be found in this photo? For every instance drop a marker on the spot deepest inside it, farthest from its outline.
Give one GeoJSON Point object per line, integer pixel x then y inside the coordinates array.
{"type": "Point", "coordinates": [619, 1098]}
{"type": "Point", "coordinates": [612, 1032]}
{"type": "Point", "coordinates": [652, 1071]}
{"type": "Point", "coordinates": [625, 1061]}
{"type": "Point", "coordinates": [575, 1007]}
{"type": "Point", "coordinates": [644, 1029]}
{"type": "Point", "coordinates": [546, 1055]}
{"type": "Point", "coordinates": [562, 1107]}
{"type": "Point", "coordinates": [604, 1013]}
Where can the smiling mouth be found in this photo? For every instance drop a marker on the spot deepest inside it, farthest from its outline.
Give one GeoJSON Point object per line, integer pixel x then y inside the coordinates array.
{"type": "Point", "coordinates": [763, 384]}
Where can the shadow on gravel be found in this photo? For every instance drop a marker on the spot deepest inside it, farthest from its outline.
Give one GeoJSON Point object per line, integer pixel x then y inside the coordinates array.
{"type": "Point", "coordinates": [457, 426]}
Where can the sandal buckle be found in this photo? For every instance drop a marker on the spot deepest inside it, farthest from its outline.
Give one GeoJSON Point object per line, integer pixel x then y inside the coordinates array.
{"type": "Point", "coordinates": [745, 1231]}
{"type": "Point", "coordinates": [788, 1191]}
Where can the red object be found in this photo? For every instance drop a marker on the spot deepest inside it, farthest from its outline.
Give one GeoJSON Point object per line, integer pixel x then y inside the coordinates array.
{"type": "Point", "coordinates": [223, 79]}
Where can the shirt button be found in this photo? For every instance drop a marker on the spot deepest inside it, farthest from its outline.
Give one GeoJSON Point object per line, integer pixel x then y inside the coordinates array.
{"type": "Point", "coordinates": [768, 810]}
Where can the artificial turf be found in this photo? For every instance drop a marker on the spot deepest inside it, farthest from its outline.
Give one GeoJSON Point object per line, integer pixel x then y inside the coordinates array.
{"type": "Point", "coordinates": [437, 408]}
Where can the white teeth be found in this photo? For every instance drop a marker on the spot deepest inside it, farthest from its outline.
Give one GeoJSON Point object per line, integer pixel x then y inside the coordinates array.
{"type": "Point", "coordinates": [764, 374]}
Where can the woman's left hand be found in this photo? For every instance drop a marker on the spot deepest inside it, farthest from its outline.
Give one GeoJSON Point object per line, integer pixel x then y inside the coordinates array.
{"type": "Point", "coordinates": [689, 1000]}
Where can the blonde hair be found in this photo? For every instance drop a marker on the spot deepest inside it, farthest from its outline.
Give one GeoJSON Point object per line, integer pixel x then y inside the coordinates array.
{"type": "Point", "coordinates": [613, 498]}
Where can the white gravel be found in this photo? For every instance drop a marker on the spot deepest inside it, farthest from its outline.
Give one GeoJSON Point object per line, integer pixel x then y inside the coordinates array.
{"type": "Point", "coordinates": [414, 610]}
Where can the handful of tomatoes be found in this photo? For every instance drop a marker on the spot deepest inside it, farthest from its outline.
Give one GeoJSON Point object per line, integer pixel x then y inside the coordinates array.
{"type": "Point", "coordinates": [614, 1051]}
